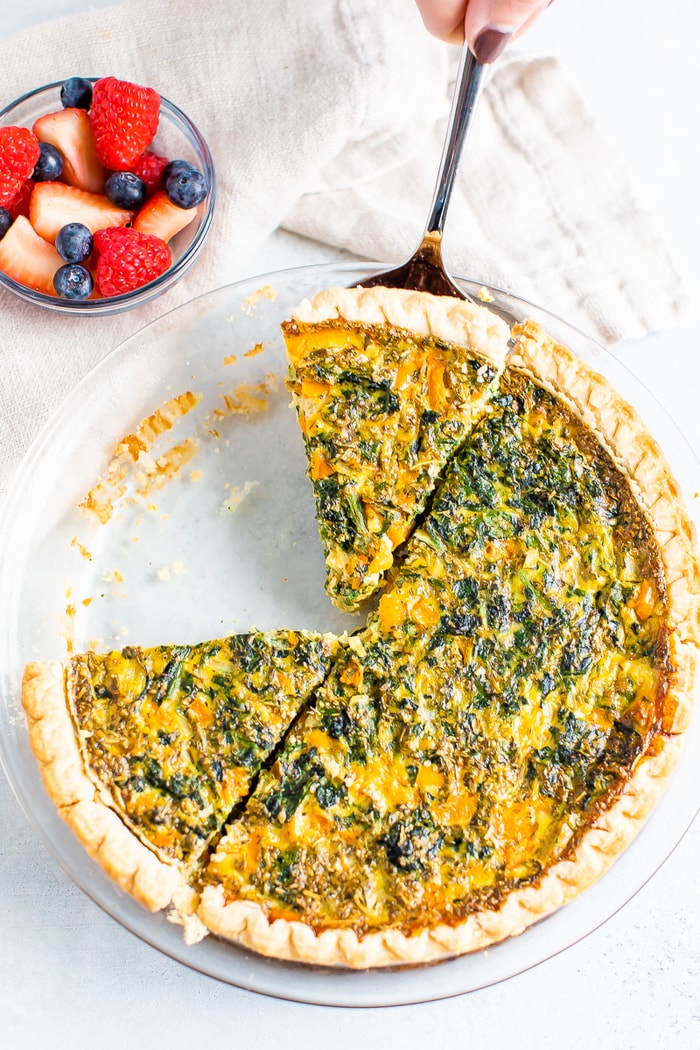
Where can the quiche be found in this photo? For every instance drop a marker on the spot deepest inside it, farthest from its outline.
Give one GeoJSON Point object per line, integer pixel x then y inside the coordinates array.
{"type": "Point", "coordinates": [146, 751]}
{"type": "Point", "coordinates": [488, 743]}
{"type": "Point", "coordinates": [386, 388]}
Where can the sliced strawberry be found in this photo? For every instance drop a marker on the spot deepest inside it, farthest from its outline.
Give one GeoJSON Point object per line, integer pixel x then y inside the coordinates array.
{"type": "Point", "coordinates": [128, 259]}
{"type": "Point", "coordinates": [54, 205]}
{"type": "Point", "coordinates": [124, 119]}
{"type": "Point", "coordinates": [161, 218]}
{"type": "Point", "coordinates": [150, 167]}
{"type": "Point", "coordinates": [69, 130]}
{"type": "Point", "coordinates": [28, 258]}
{"type": "Point", "coordinates": [19, 205]}
{"type": "Point", "coordinates": [19, 152]}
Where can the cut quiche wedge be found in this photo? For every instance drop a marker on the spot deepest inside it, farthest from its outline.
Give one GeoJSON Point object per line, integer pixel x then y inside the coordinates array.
{"type": "Point", "coordinates": [387, 384]}
{"type": "Point", "coordinates": [145, 751]}
{"type": "Point", "coordinates": [494, 738]}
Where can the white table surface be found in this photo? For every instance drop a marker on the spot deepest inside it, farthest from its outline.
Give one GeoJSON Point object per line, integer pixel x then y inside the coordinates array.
{"type": "Point", "coordinates": [71, 977]}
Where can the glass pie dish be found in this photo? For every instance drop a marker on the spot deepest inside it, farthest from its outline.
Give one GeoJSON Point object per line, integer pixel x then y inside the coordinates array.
{"type": "Point", "coordinates": [212, 532]}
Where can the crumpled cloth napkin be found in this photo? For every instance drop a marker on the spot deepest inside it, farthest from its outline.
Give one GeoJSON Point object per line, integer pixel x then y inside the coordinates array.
{"type": "Point", "coordinates": [327, 119]}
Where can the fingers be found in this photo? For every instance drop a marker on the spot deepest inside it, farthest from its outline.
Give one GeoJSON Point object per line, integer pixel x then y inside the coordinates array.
{"type": "Point", "coordinates": [444, 18]}
{"type": "Point", "coordinates": [490, 24]}
{"type": "Point", "coordinates": [532, 18]}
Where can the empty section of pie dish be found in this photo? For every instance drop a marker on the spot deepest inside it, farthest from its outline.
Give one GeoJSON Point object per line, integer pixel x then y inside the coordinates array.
{"type": "Point", "coordinates": [235, 528]}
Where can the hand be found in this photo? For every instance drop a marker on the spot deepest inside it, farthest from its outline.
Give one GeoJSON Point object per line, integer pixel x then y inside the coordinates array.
{"type": "Point", "coordinates": [487, 24]}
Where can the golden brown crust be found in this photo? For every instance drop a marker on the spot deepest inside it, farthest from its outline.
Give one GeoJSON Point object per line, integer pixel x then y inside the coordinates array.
{"type": "Point", "coordinates": [454, 320]}
{"type": "Point", "coordinates": [52, 735]}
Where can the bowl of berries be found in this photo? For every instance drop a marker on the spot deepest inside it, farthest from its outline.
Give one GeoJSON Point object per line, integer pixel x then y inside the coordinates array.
{"type": "Point", "coordinates": [107, 194]}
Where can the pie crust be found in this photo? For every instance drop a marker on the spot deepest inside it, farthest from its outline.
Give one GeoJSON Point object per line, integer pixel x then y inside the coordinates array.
{"type": "Point", "coordinates": [454, 320]}
{"type": "Point", "coordinates": [136, 868]}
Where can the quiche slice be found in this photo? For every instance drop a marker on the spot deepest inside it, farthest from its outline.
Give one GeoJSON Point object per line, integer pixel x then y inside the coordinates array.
{"type": "Point", "coordinates": [146, 751]}
{"type": "Point", "coordinates": [494, 738]}
{"type": "Point", "coordinates": [387, 383]}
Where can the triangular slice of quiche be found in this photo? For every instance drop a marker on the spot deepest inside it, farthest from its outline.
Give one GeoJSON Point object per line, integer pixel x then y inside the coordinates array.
{"type": "Point", "coordinates": [494, 738]}
{"type": "Point", "coordinates": [146, 751]}
{"type": "Point", "coordinates": [387, 383]}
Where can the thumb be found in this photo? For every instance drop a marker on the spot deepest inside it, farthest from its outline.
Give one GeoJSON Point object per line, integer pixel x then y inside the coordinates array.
{"type": "Point", "coordinates": [490, 24]}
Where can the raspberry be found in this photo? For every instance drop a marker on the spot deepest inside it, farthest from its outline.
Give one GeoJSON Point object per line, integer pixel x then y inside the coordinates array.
{"type": "Point", "coordinates": [150, 167]}
{"type": "Point", "coordinates": [128, 259]}
{"type": "Point", "coordinates": [10, 186]}
{"type": "Point", "coordinates": [124, 119]}
{"type": "Point", "coordinates": [19, 205]}
{"type": "Point", "coordinates": [19, 152]}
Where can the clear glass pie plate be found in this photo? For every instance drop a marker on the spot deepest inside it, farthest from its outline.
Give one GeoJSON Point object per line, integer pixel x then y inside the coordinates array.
{"type": "Point", "coordinates": [210, 532]}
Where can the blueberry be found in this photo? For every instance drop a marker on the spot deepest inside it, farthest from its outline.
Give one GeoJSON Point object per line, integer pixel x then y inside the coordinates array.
{"type": "Point", "coordinates": [5, 222]}
{"type": "Point", "coordinates": [176, 165]}
{"type": "Point", "coordinates": [72, 281]}
{"type": "Point", "coordinates": [76, 93]}
{"type": "Point", "coordinates": [126, 190]}
{"type": "Point", "coordinates": [74, 242]}
{"type": "Point", "coordinates": [185, 186]}
{"type": "Point", "coordinates": [49, 166]}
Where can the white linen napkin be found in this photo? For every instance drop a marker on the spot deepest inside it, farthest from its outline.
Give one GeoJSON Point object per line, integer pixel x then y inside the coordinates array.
{"type": "Point", "coordinates": [327, 119]}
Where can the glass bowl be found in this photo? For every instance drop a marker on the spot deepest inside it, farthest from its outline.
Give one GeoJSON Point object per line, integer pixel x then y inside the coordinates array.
{"type": "Point", "coordinates": [230, 542]}
{"type": "Point", "coordinates": [177, 138]}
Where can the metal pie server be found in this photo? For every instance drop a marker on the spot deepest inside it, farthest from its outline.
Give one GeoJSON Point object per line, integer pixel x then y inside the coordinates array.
{"type": "Point", "coordinates": [425, 270]}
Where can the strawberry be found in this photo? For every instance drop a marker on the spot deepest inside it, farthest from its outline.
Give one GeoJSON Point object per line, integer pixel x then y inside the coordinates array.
{"type": "Point", "coordinates": [124, 119]}
{"type": "Point", "coordinates": [54, 205]}
{"type": "Point", "coordinates": [19, 152]}
{"type": "Point", "coordinates": [28, 258]}
{"type": "Point", "coordinates": [150, 167]}
{"type": "Point", "coordinates": [128, 259]}
{"type": "Point", "coordinates": [161, 218]}
{"type": "Point", "coordinates": [69, 130]}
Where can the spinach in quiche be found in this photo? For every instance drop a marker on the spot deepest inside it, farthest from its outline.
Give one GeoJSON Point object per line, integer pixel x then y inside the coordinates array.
{"type": "Point", "coordinates": [381, 410]}
{"type": "Point", "coordinates": [175, 734]}
{"type": "Point", "coordinates": [496, 700]}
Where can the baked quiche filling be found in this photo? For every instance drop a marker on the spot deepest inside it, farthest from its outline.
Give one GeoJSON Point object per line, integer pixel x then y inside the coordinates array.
{"type": "Point", "coordinates": [486, 746]}
{"type": "Point", "coordinates": [175, 734]}
{"type": "Point", "coordinates": [381, 410]}
{"type": "Point", "coordinates": [495, 703]}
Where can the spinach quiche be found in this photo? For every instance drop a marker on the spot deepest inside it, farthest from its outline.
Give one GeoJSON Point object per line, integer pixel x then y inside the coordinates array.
{"type": "Point", "coordinates": [491, 740]}
{"type": "Point", "coordinates": [146, 751]}
{"type": "Point", "coordinates": [386, 388]}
